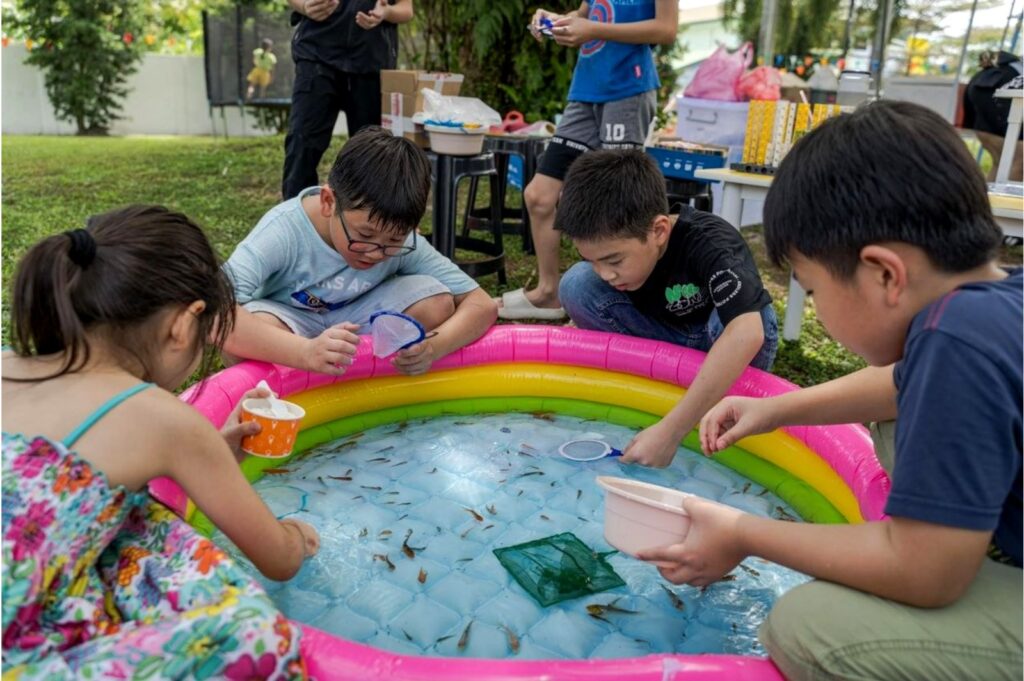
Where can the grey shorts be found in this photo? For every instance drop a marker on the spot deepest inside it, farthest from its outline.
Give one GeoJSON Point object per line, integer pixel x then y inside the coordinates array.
{"type": "Point", "coordinates": [398, 293]}
{"type": "Point", "coordinates": [621, 124]}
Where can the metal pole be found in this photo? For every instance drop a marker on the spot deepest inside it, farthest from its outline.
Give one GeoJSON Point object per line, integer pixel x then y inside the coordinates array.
{"type": "Point", "coordinates": [848, 31]}
{"type": "Point", "coordinates": [766, 37]}
{"type": "Point", "coordinates": [1006, 29]}
{"type": "Point", "coordinates": [960, 63]}
{"type": "Point", "coordinates": [877, 67]}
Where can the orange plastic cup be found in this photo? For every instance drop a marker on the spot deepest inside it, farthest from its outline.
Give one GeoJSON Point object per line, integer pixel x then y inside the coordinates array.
{"type": "Point", "coordinates": [277, 436]}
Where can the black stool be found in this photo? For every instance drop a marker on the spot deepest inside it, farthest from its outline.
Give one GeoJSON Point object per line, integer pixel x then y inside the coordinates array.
{"type": "Point", "coordinates": [514, 220]}
{"type": "Point", "coordinates": [690, 192]}
{"type": "Point", "coordinates": [448, 171]}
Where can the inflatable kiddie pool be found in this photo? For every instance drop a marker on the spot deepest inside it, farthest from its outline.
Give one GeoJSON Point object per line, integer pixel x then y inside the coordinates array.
{"type": "Point", "coordinates": [827, 474]}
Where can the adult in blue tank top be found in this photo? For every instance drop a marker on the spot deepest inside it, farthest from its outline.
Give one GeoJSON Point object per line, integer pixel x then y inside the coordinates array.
{"type": "Point", "coordinates": [612, 101]}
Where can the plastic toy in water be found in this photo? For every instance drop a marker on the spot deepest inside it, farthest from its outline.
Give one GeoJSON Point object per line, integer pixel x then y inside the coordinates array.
{"type": "Point", "coordinates": [825, 473]}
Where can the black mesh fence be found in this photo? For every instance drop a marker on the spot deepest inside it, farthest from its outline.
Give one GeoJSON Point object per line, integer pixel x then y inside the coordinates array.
{"type": "Point", "coordinates": [229, 39]}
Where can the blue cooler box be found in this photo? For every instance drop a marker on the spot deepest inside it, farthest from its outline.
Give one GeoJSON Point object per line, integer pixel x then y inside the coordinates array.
{"type": "Point", "coordinates": [682, 163]}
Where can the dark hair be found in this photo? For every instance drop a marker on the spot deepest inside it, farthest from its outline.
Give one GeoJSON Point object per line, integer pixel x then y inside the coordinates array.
{"type": "Point", "coordinates": [611, 194]}
{"type": "Point", "coordinates": [890, 171]}
{"type": "Point", "coordinates": [114, 276]}
{"type": "Point", "coordinates": [386, 175]}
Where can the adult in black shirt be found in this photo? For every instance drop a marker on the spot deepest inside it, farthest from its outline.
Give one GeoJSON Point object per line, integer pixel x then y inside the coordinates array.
{"type": "Point", "coordinates": [339, 48]}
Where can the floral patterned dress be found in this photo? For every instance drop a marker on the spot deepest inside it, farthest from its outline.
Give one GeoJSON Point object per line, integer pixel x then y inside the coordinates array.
{"type": "Point", "coordinates": [103, 583]}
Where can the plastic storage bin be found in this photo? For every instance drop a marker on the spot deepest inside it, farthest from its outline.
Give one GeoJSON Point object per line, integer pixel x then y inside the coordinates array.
{"type": "Point", "coordinates": [707, 121]}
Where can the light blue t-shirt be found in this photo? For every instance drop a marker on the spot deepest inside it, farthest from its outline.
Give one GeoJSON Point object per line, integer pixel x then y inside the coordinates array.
{"type": "Point", "coordinates": [608, 71]}
{"type": "Point", "coordinates": [284, 259]}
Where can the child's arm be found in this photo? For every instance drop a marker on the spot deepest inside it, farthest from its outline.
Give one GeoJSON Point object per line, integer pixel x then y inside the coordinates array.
{"type": "Point", "coordinates": [330, 353]}
{"type": "Point", "coordinates": [573, 31]}
{"type": "Point", "coordinates": [199, 459]}
{"type": "Point", "coordinates": [865, 395]}
{"type": "Point", "coordinates": [918, 563]}
{"type": "Point", "coordinates": [728, 357]}
{"type": "Point", "coordinates": [475, 312]}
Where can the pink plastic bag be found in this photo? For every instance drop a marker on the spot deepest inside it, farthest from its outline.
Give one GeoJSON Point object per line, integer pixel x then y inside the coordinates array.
{"type": "Point", "coordinates": [761, 83]}
{"type": "Point", "coordinates": [718, 76]}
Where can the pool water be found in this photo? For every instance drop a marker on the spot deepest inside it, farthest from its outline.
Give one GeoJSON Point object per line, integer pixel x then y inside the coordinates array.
{"type": "Point", "coordinates": [409, 514]}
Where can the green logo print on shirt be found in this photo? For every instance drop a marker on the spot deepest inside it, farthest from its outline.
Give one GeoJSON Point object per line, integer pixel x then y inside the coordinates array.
{"type": "Point", "coordinates": [682, 298]}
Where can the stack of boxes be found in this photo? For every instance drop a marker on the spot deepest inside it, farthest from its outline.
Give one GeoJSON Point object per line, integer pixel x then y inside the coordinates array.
{"type": "Point", "coordinates": [401, 98]}
{"type": "Point", "coordinates": [773, 127]}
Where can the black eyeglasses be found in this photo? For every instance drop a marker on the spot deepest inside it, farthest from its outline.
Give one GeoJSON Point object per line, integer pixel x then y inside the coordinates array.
{"type": "Point", "coordinates": [370, 246]}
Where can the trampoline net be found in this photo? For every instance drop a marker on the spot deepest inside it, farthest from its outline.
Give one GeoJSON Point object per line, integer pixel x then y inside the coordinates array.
{"type": "Point", "coordinates": [230, 38]}
{"type": "Point", "coordinates": [558, 568]}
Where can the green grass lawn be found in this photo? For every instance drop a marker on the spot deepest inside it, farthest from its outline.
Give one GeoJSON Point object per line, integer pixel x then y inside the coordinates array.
{"type": "Point", "coordinates": [51, 184]}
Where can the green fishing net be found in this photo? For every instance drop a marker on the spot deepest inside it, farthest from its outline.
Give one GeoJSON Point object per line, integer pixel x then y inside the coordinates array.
{"type": "Point", "coordinates": [558, 568]}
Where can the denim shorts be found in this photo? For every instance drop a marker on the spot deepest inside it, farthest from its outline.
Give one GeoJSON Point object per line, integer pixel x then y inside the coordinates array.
{"type": "Point", "coordinates": [398, 293]}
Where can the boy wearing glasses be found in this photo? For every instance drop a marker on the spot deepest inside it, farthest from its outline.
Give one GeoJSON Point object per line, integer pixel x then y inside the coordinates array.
{"type": "Point", "coordinates": [315, 267]}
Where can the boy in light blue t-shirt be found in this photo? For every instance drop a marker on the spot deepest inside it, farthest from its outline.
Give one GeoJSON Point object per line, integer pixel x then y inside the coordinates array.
{"type": "Point", "coordinates": [315, 267]}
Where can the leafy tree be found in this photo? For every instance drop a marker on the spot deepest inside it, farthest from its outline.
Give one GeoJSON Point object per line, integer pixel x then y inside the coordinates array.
{"type": "Point", "coordinates": [86, 50]}
{"type": "Point", "coordinates": [799, 24]}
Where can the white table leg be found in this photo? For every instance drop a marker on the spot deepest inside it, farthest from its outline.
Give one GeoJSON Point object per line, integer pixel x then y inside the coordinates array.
{"type": "Point", "coordinates": [732, 203]}
{"type": "Point", "coordinates": [1010, 141]}
{"type": "Point", "coordinates": [794, 310]}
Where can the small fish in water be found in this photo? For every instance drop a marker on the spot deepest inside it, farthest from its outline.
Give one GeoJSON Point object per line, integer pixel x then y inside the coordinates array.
{"type": "Point", "coordinates": [407, 636]}
{"type": "Point", "coordinates": [374, 488]}
{"type": "Point", "coordinates": [384, 559]}
{"type": "Point", "coordinates": [746, 488]}
{"type": "Point", "coordinates": [677, 602]}
{"type": "Point", "coordinates": [598, 616]}
{"type": "Point", "coordinates": [363, 532]}
{"type": "Point", "coordinates": [491, 509]}
{"type": "Point", "coordinates": [276, 471]}
{"type": "Point", "coordinates": [406, 549]}
{"type": "Point", "coordinates": [463, 560]}
{"type": "Point", "coordinates": [502, 481]}
{"type": "Point", "coordinates": [432, 470]}
{"type": "Point", "coordinates": [513, 640]}
{"type": "Point", "coordinates": [488, 527]}
{"type": "Point", "coordinates": [750, 570]}
{"type": "Point", "coordinates": [579, 493]}
{"type": "Point", "coordinates": [384, 533]}
{"type": "Point", "coordinates": [784, 515]}
{"type": "Point", "coordinates": [506, 429]}
{"type": "Point", "coordinates": [523, 475]}
{"type": "Point", "coordinates": [392, 493]}
{"type": "Point", "coordinates": [422, 576]}
{"type": "Point", "coordinates": [520, 493]}
{"type": "Point", "coordinates": [403, 516]}
{"type": "Point", "coordinates": [321, 481]}
{"type": "Point", "coordinates": [597, 610]}
{"type": "Point", "coordinates": [348, 472]}
{"type": "Point", "coordinates": [763, 492]}
{"type": "Point", "coordinates": [357, 498]}
{"type": "Point", "coordinates": [734, 627]}
{"type": "Point", "coordinates": [443, 638]}
{"type": "Point", "coordinates": [543, 415]}
{"type": "Point", "coordinates": [544, 517]}
{"type": "Point", "coordinates": [344, 478]}
{"type": "Point", "coordinates": [554, 482]}
{"type": "Point", "coordinates": [464, 639]}
{"type": "Point", "coordinates": [586, 520]}
{"type": "Point", "coordinates": [462, 423]}
{"type": "Point", "coordinates": [476, 516]}
{"type": "Point", "coordinates": [404, 503]}
{"type": "Point", "coordinates": [400, 463]}
{"type": "Point", "coordinates": [379, 459]}
{"type": "Point", "coordinates": [522, 453]}
{"type": "Point", "coordinates": [385, 449]}
{"type": "Point", "coordinates": [728, 578]}
{"type": "Point", "coordinates": [468, 530]}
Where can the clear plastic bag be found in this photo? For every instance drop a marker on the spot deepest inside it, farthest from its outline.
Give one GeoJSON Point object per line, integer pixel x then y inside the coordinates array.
{"type": "Point", "coordinates": [441, 109]}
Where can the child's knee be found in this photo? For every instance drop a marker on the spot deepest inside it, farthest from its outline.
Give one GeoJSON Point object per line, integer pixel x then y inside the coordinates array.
{"type": "Point", "coordinates": [540, 200]}
{"type": "Point", "coordinates": [433, 311]}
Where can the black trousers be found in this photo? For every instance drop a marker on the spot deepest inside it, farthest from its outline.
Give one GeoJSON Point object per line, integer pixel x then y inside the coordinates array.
{"type": "Point", "coordinates": [320, 92]}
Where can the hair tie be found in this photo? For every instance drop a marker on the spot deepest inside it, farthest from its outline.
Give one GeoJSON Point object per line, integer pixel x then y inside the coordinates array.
{"type": "Point", "coordinates": [83, 247]}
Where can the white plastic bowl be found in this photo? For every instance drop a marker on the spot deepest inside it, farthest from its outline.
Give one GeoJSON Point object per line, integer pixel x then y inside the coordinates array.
{"type": "Point", "coordinates": [456, 141]}
{"type": "Point", "coordinates": [639, 516]}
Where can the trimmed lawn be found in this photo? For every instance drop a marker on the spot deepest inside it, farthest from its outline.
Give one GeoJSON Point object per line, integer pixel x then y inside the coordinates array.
{"type": "Point", "coordinates": [51, 184]}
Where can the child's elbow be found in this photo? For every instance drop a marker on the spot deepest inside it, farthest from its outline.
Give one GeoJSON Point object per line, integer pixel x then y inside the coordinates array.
{"type": "Point", "coordinates": [668, 35]}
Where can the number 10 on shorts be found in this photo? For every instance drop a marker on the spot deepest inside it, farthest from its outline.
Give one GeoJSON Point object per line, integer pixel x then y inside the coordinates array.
{"type": "Point", "coordinates": [614, 132]}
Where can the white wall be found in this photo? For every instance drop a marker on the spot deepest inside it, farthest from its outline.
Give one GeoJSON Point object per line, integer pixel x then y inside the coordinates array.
{"type": "Point", "coordinates": [167, 96]}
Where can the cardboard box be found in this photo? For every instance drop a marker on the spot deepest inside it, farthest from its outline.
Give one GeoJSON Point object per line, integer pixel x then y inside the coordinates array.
{"type": "Point", "coordinates": [401, 98]}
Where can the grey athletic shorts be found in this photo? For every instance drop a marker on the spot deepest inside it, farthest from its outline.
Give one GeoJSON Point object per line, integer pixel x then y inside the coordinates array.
{"type": "Point", "coordinates": [621, 124]}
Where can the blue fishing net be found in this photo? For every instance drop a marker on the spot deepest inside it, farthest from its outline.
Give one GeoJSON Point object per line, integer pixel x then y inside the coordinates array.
{"type": "Point", "coordinates": [558, 568]}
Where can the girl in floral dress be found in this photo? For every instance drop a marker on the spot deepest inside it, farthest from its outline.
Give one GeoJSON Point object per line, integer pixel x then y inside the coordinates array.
{"type": "Point", "coordinates": [99, 581]}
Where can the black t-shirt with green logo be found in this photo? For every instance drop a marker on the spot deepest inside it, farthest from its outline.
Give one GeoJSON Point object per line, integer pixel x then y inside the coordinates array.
{"type": "Point", "coordinates": [707, 265]}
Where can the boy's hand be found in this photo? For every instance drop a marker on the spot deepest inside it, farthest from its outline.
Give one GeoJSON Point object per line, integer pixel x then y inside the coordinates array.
{"type": "Point", "coordinates": [333, 351]}
{"type": "Point", "coordinates": [710, 551]}
{"type": "Point", "coordinates": [234, 430]}
{"type": "Point", "coordinates": [653, 446]}
{"type": "Point", "coordinates": [573, 31]}
{"type": "Point", "coordinates": [373, 18]}
{"type": "Point", "coordinates": [310, 537]}
{"type": "Point", "coordinates": [732, 419]}
{"type": "Point", "coordinates": [535, 22]}
{"type": "Point", "coordinates": [415, 359]}
{"type": "Point", "coordinates": [318, 10]}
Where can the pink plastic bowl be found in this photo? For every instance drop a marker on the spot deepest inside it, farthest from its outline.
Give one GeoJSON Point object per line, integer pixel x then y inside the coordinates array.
{"type": "Point", "coordinates": [638, 515]}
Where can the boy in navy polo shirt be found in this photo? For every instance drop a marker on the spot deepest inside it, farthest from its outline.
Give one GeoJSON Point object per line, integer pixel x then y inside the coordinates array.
{"type": "Point", "coordinates": [898, 249]}
{"type": "Point", "coordinates": [612, 101]}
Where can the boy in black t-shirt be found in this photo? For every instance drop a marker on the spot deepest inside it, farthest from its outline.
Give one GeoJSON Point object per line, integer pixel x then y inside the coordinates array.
{"type": "Point", "coordinates": [687, 279]}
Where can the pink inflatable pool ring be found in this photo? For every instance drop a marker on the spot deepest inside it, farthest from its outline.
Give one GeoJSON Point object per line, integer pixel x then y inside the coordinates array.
{"type": "Point", "coordinates": [839, 470]}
